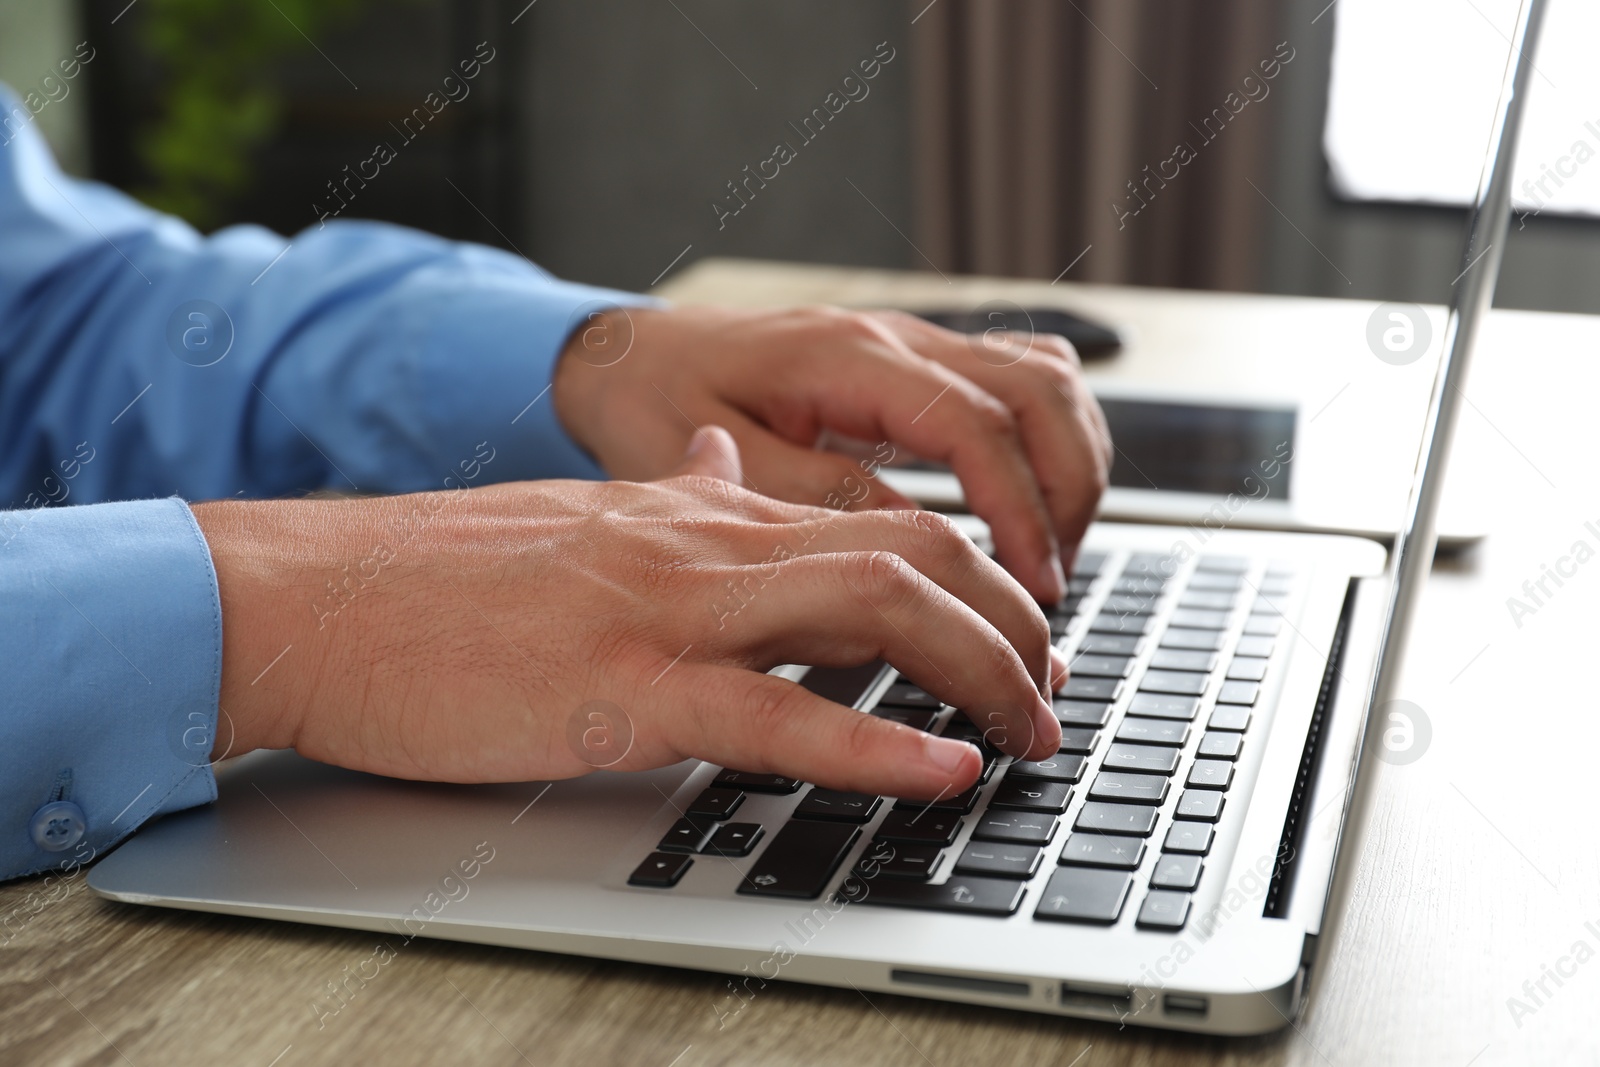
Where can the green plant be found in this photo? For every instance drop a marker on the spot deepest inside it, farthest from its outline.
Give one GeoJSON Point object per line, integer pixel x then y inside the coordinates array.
{"type": "Point", "coordinates": [219, 103]}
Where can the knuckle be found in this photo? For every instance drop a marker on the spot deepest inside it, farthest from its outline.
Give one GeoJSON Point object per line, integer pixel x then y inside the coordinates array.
{"type": "Point", "coordinates": [990, 416]}
{"type": "Point", "coordinates": [770, 707]}
{"type": "Point", "coordinates": [934, 536]}
{"type": "Point", "coordinates": [1058, 346]}
{"type": "Point", "coordinates": [885, 577]}
{"type": "Point", "coordinates": [861, 739]}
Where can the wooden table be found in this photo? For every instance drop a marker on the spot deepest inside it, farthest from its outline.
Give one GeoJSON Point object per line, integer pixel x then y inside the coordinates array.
{"type": "Point", "coordinates": [1480, 868]}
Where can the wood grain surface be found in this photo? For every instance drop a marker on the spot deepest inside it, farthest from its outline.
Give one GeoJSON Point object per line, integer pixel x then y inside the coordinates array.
{"type": "Point", "coordinates": [1477, 874]}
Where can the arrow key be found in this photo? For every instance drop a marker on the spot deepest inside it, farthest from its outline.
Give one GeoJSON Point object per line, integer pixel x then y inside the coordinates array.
{"type": "Point", "coordinates": [734, 839]}
{"type": "Point", "coordinates": [660, 870]}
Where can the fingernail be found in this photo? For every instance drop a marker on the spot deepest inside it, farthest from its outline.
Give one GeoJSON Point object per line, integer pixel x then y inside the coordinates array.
{"type": "Point", "coordinates": [946, 755]}
{"type": "Point", "coordinates": [1060, 668]}
{"type": "Point", "coordinates": [1045, 723]}
{"type": "Point", "coordinates": [1053, 578]}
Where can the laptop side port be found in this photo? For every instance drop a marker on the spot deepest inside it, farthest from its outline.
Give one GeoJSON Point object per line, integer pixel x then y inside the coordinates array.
{"type": "Point", "coordinates": [1185, 1007]}
{"type": "Point", "coordinates": [1109, 999]}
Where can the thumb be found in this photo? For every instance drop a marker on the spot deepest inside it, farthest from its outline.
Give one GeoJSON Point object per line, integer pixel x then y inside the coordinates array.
{"type": "Point", "coordinates": [712, 453]}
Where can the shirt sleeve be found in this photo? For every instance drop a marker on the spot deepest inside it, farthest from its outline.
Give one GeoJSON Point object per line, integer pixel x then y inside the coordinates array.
{"type": "Point", "coordinates": [141, 361]}
{"type": "Point", "coordinates": [357, 356]}
{"type": "Point", "coordinates": [113, 635]}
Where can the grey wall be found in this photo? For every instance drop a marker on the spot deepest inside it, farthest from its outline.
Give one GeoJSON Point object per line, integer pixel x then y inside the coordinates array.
{"type": "Point", "coordinates": [637, 122]}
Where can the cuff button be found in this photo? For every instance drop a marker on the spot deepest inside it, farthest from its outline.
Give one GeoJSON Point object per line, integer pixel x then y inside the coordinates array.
{"type": "Point", "coordinates": [58, 826]}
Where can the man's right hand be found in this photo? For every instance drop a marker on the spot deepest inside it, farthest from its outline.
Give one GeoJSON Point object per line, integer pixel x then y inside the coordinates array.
{"type": "Point", "coordinates": [460, 636]}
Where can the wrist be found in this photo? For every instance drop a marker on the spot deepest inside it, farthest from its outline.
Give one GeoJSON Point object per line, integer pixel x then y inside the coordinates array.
{"type": "Point", "coordinates": [588, 370]}
{"type": "Point", "coordinates": [270, 657]}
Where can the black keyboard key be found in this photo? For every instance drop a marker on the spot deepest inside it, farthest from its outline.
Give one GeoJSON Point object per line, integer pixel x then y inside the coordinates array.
{"type": "Point", "coordinates": [1183, 683]}
{"type": "Point", "coordinates": [1058, 768]}
{"type": "Point", "coordinates": [1120, 788]}
{"type": "Point", "coordinates": [1079, 585]}
{"type": "Point", "coordinates": [1078, 739]}
{"type": "Point", "coordinates": [1103, 850]}
{"type": "Point", "coordinates": [1116, 819]}
{"type": "Point", "coordinates": [1060, 626]}
{"type": "Point", "coordinates": [1137, 625]}
{"type": "Point", "coordinates": [964, 893]}
{"type": "Point", "coordinates": [1210, 774]}
{"type": "Point", "coordinates": [1148, 586]}
{"type": "Point", "coordinates": [1215, 580]}
{"type": "Point", "coordinates": [1193, 838]}
{"type": "Point", "coordinates": [1164, 706]}
{"type": "Point", "coordinates": [1224, 564]}
{"type": "Point", "coordinates": [842, 807]}
{"type": "Point", "coordinates": [800, 859]}
{"type": "Point", "coordinates": [1164, 910]}
{"type": "Point", "coordinates": [716, 803]}
{"type": "Point", "coordinates": [1016, 827]}
{"type": "Point", "coordinates": [1111, 644]}
{"type": "Point", "coordinates": [1229, 717]}
{"type": "Point", "coordinates": [660, 870]}
{"type": "Point", "coordinates": [1250, 645]}
{"type": "Point", "coordinates": [1129, 604]}
{"type": "Point", "coordinates": [751, 782]}
{"type": "Point", "coordinates": [917, 720]}
{"type": "Point", "coordinates": [1247, 669]}
{"type": "Point", "coordinates": [1091, 689]}
{"type": "Point", "coordinates": [898, 859]}
{"type": "Point", "coordinates": [687, 835]}
{"type": "Point", "coordinates": [906, 695]}
{"type": "Point", "coordinates": [997, 860]}
{"type": "Point", "coordinates": [1239, 693]}
{"type": "Point", "coordinates": [1271, 605]}
{"type": "Point", "coordinates": [734, 839]}
{"type": "Point", "coordinates": [1081, 712]}
{"type": "Point", "coordinates": [1174, 871]}
{"type": "Point", "coordinates": [920, 827]}
{"type": "Point", "coordinates": [1088, 563]}
{"type": "Point", "coordinates": [960, 803]}
{"type": "Point", "coordinates": [1146, 759]}
{"type": "Point", "coordinates": [843, 685]}
{"type": "Point", "coordinates": [1200, 640]}
{"type": "Point", "coordinates": [1141, 731]}
{"type": "Point", "coordinates": [1027, 795]}
{"type": "Point", "coordinates": [1164, 564]}
{"type": "Point", "coordinates": [1220, 745]}
{"type": "Point", "coordinates": [1178, 659]}
{"type": "Point", "coordinates": [1096, 666]}
{"type": "Point", "coordinates": [1207, 599]}
{"type": "Point", "coordinates": [1194, 619]}
{"type": "Point", "coordinates": [1202, 804]}
{"type": "Point", "coordinates": [1084, 895]}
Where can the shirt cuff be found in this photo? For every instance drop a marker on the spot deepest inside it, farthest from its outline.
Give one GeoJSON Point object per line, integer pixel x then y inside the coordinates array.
{"type": "Point", "coordinates": [113, 639]}
{"type": "Point", "coordinates": [488, 340]}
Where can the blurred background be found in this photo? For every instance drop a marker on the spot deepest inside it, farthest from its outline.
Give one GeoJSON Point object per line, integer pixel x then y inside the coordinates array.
{"type": "Point", "coordinates": [1013, 137]}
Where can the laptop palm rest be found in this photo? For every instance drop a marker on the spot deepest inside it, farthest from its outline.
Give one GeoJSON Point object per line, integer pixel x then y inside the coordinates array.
{"type": "Point", "coordinates": [288, 834]}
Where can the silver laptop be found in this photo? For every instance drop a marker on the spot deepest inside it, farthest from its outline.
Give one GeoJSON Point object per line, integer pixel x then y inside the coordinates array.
{"type": "Point", "coordinates": [1174, 865]}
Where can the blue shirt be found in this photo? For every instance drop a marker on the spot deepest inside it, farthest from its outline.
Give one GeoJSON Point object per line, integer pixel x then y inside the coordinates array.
{"type": "Point", "coordinates": [142, 364]}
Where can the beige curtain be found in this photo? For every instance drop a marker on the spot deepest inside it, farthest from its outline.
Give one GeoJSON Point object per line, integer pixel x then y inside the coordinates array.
{"type": "Point", "coordinates": [1032, 116]}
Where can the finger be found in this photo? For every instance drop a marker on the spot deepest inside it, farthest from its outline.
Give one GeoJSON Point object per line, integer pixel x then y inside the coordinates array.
{"type": "Point", "coordinates": [1062, 427]}
{"type": "Point", "coordinates": [1060, 668]}
{"type": "Point", "coordinates": [939, 550]}
{"type": "Point", "coordinates": [849, 608]}
{"type": "Point", "coordinates": [712, 453]}
{"type": "Point", "coordinates": [807, 476]}
{"type": "Point", "coordinates": [864, 382]}
{"type": "Point", "coordinates": [762, 723]}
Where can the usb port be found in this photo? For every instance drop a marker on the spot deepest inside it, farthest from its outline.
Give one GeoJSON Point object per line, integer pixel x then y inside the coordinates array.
{"type": "Point", "coordinates": [1096, 998]}
{"type": "Point", "coordinates": [1187, 1007]}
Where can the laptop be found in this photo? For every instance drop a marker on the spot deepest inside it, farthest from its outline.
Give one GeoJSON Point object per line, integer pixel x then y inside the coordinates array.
{"type": "Point", "coordinates": [1176, 864]}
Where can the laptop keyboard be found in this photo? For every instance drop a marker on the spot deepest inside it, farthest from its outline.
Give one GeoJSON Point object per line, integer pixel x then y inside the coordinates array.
{"type": "Point", "coordinates": [1166, 675]}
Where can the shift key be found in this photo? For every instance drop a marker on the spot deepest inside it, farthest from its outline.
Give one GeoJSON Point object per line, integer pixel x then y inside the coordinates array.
{"type": "Point", "coordinates": [800, 859]}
